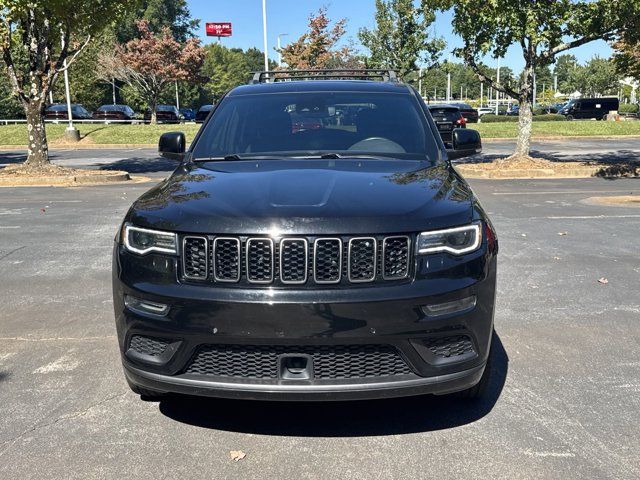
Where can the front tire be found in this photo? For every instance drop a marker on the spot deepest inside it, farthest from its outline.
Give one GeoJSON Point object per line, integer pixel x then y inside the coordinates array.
{"type": "Point", "coordinates": [569, 117]}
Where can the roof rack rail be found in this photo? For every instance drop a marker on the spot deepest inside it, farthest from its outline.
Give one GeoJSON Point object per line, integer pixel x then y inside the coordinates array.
{"type": "Point", "coordinates": [325, 74]}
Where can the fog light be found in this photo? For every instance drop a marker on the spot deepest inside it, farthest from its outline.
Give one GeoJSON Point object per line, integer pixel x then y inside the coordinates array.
{"type": "Point", "coordinates": [145, 306]}
{"type": "Point", "coordinates": [456, 306]}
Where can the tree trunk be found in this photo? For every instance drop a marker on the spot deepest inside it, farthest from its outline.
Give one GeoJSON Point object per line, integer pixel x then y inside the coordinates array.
{"type": "Point", "coordinates": [525, 118]}
{"type": "Point", "coordinates": [525, 114]}
{"type": "Point", "coordinates": [37, 148]}
{"type": "Point", "coordinates": [154, 113]}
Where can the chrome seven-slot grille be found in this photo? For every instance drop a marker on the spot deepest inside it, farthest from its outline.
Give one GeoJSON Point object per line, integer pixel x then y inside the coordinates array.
{"type": "Point", "coordinates": [296, 260]}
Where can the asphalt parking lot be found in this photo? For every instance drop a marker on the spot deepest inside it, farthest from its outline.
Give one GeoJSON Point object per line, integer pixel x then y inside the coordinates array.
{"type": "Point", "coordinates": [563, 403]}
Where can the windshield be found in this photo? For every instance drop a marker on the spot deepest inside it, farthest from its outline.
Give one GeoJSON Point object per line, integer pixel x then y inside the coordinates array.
{"type": "Point", "coordinates": [317, 123]}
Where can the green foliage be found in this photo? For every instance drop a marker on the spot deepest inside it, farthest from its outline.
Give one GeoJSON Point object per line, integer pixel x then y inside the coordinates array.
{"type": "Point", "coordinates": [491, 118]}
{"type": "Point", "coordinates": [550, 117]}
{"type": "Point", "coordinates": [159, 14]}
{"type": "Point", "coordinates": [628, 108]}
{"type": "Point", "coordinates": [400, 39]}
{"type": "Point", "coordinates": [10, 107]}
{"type": "Point", "coordinates": [227, 68]}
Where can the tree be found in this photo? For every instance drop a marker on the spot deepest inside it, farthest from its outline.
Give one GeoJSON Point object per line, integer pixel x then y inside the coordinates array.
{"type": "Point", "coordinates": [148, 64]}
{"type": "Point", "coordinates": [565, 68]}
{"type": "Point", "coordinates": [400, 38]}
{"type": "Point", "coordinates": [39, 39]}
{"type": "Point", "coordinates": [317, 48]}
{"type": "Point", "coordinates": [542, 30]}
{"type": "Point", "coordinates": [226, 68]}
{"type": "Point", "coordinates": [158, 14]}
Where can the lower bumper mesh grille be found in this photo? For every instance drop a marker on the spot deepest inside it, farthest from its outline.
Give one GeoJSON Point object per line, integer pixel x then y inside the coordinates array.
{"type": "Point", "coordinates": [148, 346]}
{"type": "Point", "coordinates": [453, 346]}
{"type": "Point", "coordinates": [329, 362]}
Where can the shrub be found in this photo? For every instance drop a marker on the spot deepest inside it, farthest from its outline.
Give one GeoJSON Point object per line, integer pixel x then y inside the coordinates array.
{"type": "Point", "coordinates": [628, 108]}
{"type": "Point", "coordinates": [549, 117]}
{"type": "Point", "coordinates": [491, 118]}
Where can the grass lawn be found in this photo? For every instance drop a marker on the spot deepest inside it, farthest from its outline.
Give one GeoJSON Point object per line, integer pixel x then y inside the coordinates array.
{"type": "Point", "coordinates": [149, 134]}
{"type": "Point", "coordinates": [99, 133]}
{"type": "Point", "coordinates": [563, 129]}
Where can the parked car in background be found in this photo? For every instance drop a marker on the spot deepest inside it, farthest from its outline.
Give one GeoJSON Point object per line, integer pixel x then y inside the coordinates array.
{"type": "Point", "coordinates": [202, 113]}
{"type": "Point", "coordinates": [588, 108]}
{"type": "Point", "coordinates": [447, 117]}
{"type": "Point", "coordinates": [188, 113]}
{"type": "Point", "coordinates": [58, 111]}
{"type": "Point", "coordinates": [513, 110]}
{"type": "Point", "coordinates": [165, 114]}
{"type": "Point", "coordinates": [484, 110]}
{"type": "Point", "coordinates": [114, 112]}
{"type": "Point", "coordinates": [469, 113]}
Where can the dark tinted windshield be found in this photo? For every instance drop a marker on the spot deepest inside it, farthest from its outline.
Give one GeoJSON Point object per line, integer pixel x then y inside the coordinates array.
{"type": "Point", "coordinates": [165, 108]}
{"type": "Point", "coordinates": [318, 122]}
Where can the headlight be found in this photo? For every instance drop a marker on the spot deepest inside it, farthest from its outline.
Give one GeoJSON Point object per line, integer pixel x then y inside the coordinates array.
{"type": "Point", "coordinates": [457, 240]}
{"type": "Point", "coordinates": [142, 240]}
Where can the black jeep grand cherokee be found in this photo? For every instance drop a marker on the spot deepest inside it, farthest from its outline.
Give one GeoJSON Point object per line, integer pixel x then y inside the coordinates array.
{"type": "Point", "coordinates": [314, 243]}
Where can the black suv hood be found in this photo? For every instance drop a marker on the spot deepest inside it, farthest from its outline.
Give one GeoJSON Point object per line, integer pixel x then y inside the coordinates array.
{"type": "Point", "coordinates": [305, 196]}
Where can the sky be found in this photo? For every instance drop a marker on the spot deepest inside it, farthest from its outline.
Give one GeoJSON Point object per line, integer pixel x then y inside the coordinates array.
{"type": "Point", "coordinates": [291, 16]}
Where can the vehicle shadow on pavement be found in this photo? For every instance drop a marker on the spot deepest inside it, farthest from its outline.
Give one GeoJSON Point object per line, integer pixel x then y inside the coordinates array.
{"type": "Point", "coordinates": [10, 158]}
{"type": "Point", "coordinates": [140, 165]}
{"type": "Point", "coordinates": [341, 419]}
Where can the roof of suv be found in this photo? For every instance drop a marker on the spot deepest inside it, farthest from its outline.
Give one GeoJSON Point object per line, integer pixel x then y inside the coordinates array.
{"type": "Point", "coordinates": [321, 86]}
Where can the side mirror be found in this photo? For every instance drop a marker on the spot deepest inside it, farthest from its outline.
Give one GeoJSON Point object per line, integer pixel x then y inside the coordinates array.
{"type": "Point", "coordinates": [172, 145]}
{"type": "Point", "coordinates": [466, 142]}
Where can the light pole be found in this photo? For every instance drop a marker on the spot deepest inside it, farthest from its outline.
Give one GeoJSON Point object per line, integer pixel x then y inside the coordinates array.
{"type": "Point", "coordinates": [449, 78]}
{"type": "Point", "coordinates": [420, 81]}
{"type": "Point", "coordinates": [70, 132]}
{"type": "Point", "coordinates": [264, 35]}
{"type": "Point", "coordinates": [279, 47]}
{"type": "Point", "coordinates": [497, 81]}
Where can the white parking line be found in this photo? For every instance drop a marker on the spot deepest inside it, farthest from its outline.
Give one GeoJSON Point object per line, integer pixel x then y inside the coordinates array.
{"type": "Point", "coordinates": [584, 217]}
{"type": "Point", "coordinates": [557, 192]}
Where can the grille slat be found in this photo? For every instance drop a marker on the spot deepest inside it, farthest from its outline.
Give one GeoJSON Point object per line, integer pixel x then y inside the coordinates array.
{"type": "Point", "coordinates": [293, 260]}
{"type": "Point", "coordinates": [226, 255]}
{"type": "Point", "coordinates": [362, 259]}
{"type": "Point", "coordinates": [260, 264]}
{"type": "Point", "coordinates": [296, 260]}
{"type": "Point", "coordinates": [329, 361]}
{"type": "Point", "coordinates": [195, 258]}
{"type": "Point", "coordinates": [395, 257]}
{"type": "Point", "coordinates": [327, 260]}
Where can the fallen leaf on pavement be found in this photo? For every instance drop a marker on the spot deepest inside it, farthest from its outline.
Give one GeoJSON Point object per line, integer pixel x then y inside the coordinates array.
{"type": "Point", "coordinates": [562, 234]}
{"type": "Point", "coordinates": [603, 280]}
{"type": "Point", "coordinates": [556, 258]}
{"type": "Point", "coordinates": [523, 234]}
{"type": "Point", "coordinates": [237, 455]}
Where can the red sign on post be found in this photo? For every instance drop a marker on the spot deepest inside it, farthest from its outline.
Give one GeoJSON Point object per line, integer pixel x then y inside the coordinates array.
{"type": "Point", "coordinates": [218, 29]}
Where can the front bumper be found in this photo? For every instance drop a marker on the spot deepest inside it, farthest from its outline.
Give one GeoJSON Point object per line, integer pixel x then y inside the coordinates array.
{"type": "Point", "coordinates": [297, 319]}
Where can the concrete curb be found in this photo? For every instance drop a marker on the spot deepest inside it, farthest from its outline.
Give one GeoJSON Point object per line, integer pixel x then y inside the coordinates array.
{"type": "Point", "coordinates": [88, 179]}
{"type": "Point", "coordinates": [92, 146]}
{"type": "Point", "coordinates": [560, 137]}
{"type": "Point", "coordinates": [468, 171]}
